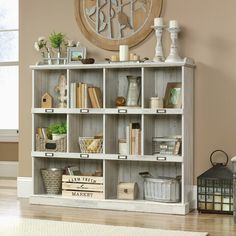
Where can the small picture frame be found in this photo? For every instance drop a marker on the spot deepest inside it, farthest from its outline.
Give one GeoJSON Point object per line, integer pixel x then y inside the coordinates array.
{"type": "Point", "coordinates": [173, 95]}
{"type": "Point", "coordinates": [75, 54]}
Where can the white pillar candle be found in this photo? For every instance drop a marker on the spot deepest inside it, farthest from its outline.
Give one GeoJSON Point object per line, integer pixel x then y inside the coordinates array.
{"type": "Point", "coordinates": [124, 53]}
{"type": "Point", "coordinates": [158, 21]}
{"type": "Point", "coordinates": [173, 24]}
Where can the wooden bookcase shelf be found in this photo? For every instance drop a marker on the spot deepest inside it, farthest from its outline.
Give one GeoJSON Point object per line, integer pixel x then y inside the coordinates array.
{"type": "Point", "coordinates": [112, 123]}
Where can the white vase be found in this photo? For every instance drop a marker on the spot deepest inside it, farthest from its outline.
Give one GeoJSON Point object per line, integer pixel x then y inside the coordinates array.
{"type": "Point", "coordinates": [58, 136]}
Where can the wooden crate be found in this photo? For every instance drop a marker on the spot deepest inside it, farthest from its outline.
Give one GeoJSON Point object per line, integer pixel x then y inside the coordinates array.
{"type": "Point", "coordinates": [83, 187]}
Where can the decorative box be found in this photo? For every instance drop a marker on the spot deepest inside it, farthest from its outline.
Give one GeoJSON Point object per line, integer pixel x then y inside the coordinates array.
{"type": "Point", "coordinates": [127, 191]}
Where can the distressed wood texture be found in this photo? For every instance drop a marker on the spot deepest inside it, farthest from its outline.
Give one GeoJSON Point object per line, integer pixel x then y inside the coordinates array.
{"type": "Point", "coordinates": [115, 22]}
{"type": "Point", "coordinates": [112, 122]}
{"type": "Point", "coordinates": [46, 82]}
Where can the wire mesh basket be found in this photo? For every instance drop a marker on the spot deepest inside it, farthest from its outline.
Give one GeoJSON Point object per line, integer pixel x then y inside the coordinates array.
{"type": "Point", "coordinates": [91, 145]}
{"type": "Point", "coordinates": [52, 179]}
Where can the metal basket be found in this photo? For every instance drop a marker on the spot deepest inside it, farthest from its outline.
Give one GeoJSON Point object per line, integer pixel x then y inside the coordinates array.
{"type": "Point", "coordinates": [91, 145]}
{"type": "Point", "coordinates": [169, 145]}
{"type": "Point", "coordinates": [52, 179]}
{"type": "Point", "coordinates": [161, 189]}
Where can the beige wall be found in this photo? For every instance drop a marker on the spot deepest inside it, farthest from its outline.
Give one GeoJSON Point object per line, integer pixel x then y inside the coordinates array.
{"type": "Point", "coordinates": [8, 151]}
{"type": "Point", "coordinates": [208, 36]}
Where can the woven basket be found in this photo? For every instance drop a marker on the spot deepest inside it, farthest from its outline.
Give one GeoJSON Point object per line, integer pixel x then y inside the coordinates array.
{"type": "Point", "coordinates": [52, 179]}
{"type": "Point", "coordinates": [90, 145]}
{"type": "Point", "coordinates": [43, 145]}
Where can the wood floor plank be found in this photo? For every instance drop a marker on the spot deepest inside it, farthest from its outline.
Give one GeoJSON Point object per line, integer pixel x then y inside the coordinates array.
{"type": "Point", "coordinates": [215, 225]}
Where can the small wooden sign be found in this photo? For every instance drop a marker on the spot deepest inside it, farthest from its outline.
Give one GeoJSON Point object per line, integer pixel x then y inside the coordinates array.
{"type": "Point", "coordinates": [82, 179]}
{"type": "Point", "coordinates": [83, 194]}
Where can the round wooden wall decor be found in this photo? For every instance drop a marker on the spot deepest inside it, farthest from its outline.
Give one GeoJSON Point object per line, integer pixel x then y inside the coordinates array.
{"type": "Point", "coordinates": [110, 23]}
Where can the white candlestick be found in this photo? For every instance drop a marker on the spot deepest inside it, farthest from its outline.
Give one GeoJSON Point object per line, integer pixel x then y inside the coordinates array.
{"type": "Point", "coordinates": [159, 57]}
{"type": "Point", "coordinates": [174, 55]}
{"type": "Point", "coordinates": [124, 53]}
{"type": "Point", "coordinates": [158, 21]}
{"type": "Point", "coordinates": [173, 24]}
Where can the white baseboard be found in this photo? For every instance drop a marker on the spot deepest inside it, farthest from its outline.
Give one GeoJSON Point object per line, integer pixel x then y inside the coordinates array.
{"type": "Point", "coordinates": [24, 187]}
{"type": "Point", "coordinates": [194, 196]}
{"type": "Point", "coordinates": [8, 168]}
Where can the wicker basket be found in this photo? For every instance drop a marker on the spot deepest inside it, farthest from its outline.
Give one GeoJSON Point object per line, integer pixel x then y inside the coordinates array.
{"type": "Point", "coordinates": [52, 179]}
{"type": "Point", "coordinates": [43, 145]}
{"type": "Point", "coordinates": [161, 189]}
{"type": "Point", "coordinates": [90, 145]}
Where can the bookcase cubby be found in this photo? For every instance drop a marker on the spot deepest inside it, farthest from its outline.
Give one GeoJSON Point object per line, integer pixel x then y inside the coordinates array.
{"type": "Point", "coordinates": [134, 126]}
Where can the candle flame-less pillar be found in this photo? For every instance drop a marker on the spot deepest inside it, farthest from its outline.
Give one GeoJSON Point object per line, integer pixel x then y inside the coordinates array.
{"type": "Point", "coordinates": [158, 27]}
{"type": "Point", "coordinates": [174, 29]}
{"type": "Point", "coordinates": [124, 53]}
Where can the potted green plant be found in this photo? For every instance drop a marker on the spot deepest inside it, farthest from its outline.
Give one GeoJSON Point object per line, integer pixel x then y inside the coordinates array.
{"type": "Point", "coordinates": [56, 40]}
{"type": "Point", "coordinates": [57, 130]}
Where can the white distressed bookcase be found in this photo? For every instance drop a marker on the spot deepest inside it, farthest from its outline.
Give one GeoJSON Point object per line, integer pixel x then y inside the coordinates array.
{"type": "Point", "coordinates": [111, 121]}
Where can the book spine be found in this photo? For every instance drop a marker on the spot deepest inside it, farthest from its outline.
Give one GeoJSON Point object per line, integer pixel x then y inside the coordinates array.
{"type": "Point", "coordinates": [77, 97]}
{"type": "Point", "coordinates": [85, 95]}
{"type": "Point", "coordinates": [72, 95]}
{"type": "Point", "coordinates": [136, 141]}
{"type": "Point", "coordinates": [80, 95]}
{"type": "Point", "coordinates": [96, 98]}
{"type": "Point", "coordinates": [139, 142]}
{"type": "Point", "coordinates": [91, 96]}
{"type": "Point", "coordinates": [132, 141]}
{"type": "Point", "coordinates": [128, 139]}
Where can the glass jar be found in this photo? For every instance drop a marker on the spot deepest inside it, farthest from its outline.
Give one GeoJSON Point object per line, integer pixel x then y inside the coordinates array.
{"type": "Point", "coordinates": [133, 90]}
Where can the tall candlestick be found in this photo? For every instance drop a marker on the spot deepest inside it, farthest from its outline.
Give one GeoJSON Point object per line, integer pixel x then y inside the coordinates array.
{"type": "Point", "coordinates": [173, 56]}
{"type": "Point", "coordinates": [159, 57]}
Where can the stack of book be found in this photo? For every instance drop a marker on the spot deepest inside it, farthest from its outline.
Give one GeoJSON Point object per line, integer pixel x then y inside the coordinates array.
{"type": "Point", "coordinates": [133, 139]}
{"type": "Point", "coordinates": [85, 96]}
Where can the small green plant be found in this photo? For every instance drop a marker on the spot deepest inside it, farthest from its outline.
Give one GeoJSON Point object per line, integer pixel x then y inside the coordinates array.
{"type": "Point", "coordinates": [56, 39]}
{"type": "Point", "coordinates": [56, 128]}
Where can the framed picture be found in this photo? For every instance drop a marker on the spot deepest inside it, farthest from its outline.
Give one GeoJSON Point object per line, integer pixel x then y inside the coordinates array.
{"type": "Point", "coordinates": [173, 95]}
{"type": "Point", "coordinates": [74, 54]}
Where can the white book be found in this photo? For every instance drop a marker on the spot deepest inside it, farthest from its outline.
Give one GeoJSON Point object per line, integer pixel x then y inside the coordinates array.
{"type": "Point", "coordinates": [128, 139]}
{"type": "Point", "coordinates": [86, 95]}
{"type": "Point", "coordinates": [136, 142]}
{"type": "Point", "coordinates": [73, 95]}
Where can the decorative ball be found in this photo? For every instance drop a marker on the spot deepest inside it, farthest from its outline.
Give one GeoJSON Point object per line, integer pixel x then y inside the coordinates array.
{"type": "Point", "coordinates": [120, 101]}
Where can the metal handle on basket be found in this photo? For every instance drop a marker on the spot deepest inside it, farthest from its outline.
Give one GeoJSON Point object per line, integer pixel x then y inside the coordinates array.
{"type": "Point", "coordinates": [145, 174]}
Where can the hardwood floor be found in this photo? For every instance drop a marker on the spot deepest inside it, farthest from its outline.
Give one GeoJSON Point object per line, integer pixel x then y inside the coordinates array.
{"type": "Point", "coordinates": [13, 208]}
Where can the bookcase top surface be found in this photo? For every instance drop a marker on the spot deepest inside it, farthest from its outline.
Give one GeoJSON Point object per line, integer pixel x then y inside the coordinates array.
{"type": "Point", "coordinates": [185, 62]}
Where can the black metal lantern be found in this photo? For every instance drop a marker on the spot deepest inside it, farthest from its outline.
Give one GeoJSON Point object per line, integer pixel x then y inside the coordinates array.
{"type": "Point", "coordinates": [215, 188]}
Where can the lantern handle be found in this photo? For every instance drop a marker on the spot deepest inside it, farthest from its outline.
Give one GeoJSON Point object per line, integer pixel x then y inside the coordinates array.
{"type": "Point", "coordinates": [215, 163]}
